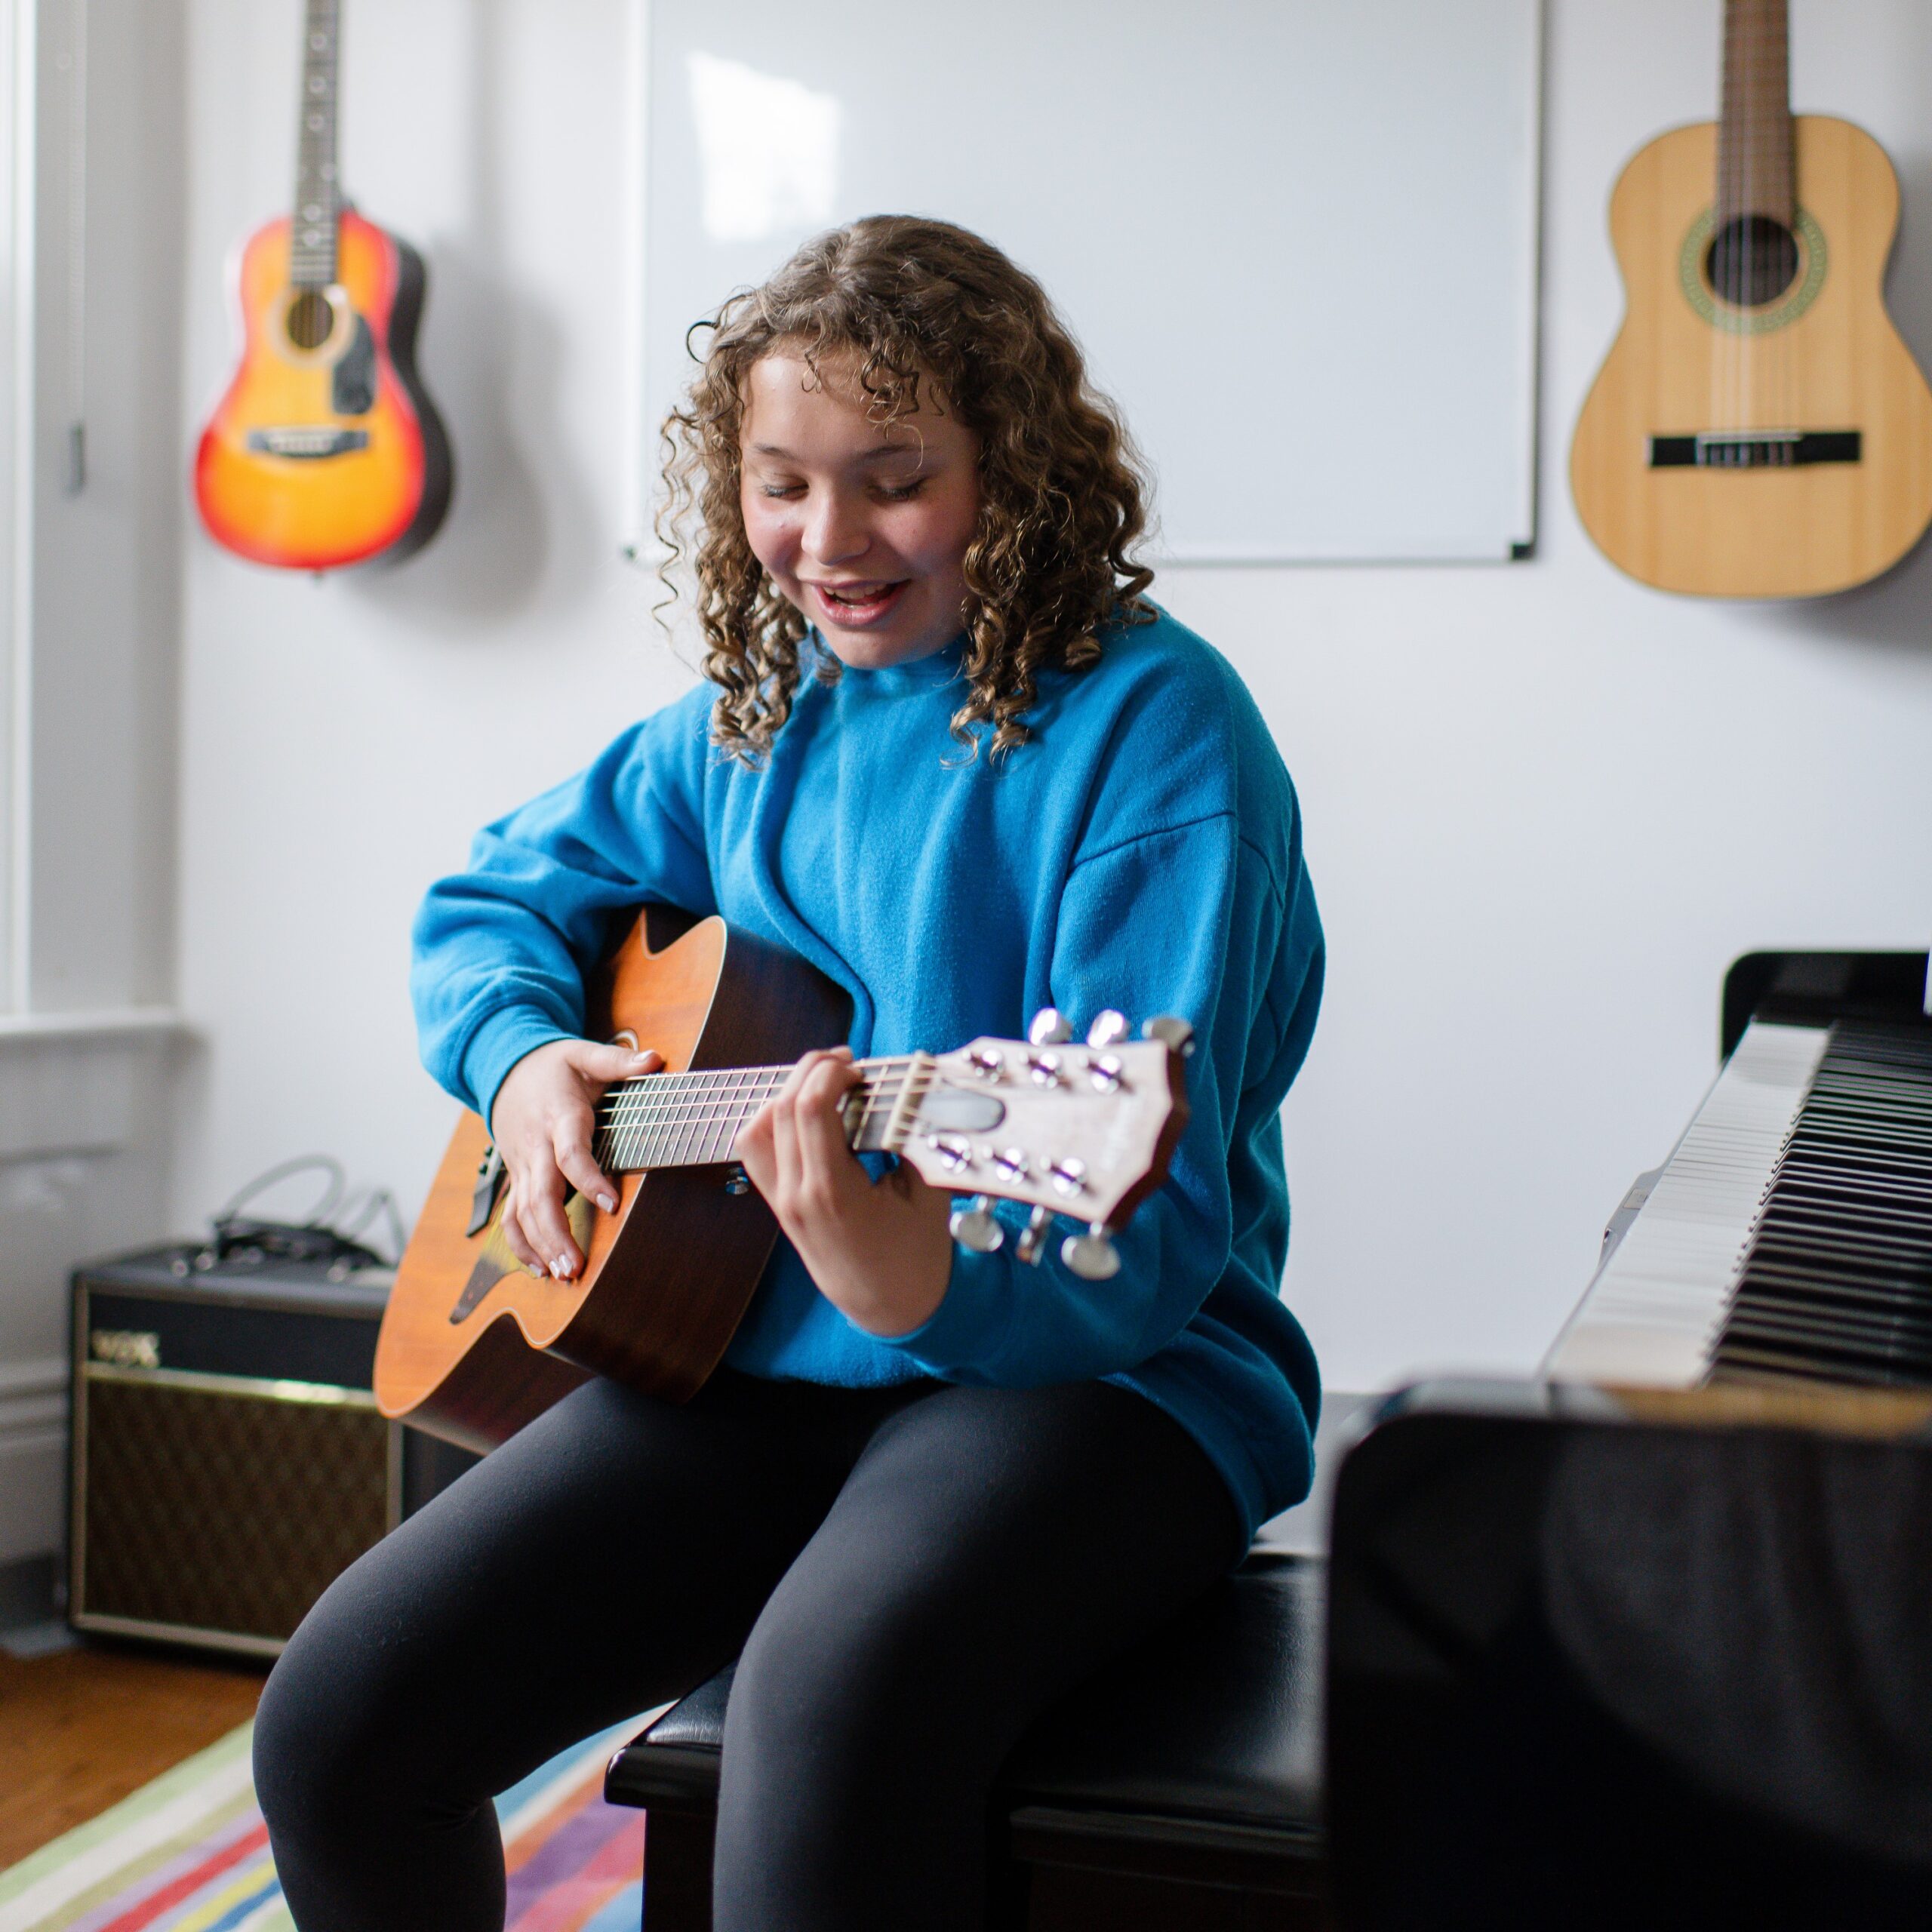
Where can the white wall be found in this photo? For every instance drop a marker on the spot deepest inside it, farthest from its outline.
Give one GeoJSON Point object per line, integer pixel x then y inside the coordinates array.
{"type": "Point", "coordinates": [1545, 807]}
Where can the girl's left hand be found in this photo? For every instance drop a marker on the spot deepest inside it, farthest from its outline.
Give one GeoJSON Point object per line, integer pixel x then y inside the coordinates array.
{"type": "Point", "coordinates": [881, 1254]}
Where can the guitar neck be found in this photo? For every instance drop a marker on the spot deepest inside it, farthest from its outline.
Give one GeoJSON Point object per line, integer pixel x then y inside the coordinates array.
{"type": "Point", "coordinates": [1756, 170]}
{"type": "Point", "coordinates": [317, 189]}
{"type": "Point", "coordinates": [689, 1120]}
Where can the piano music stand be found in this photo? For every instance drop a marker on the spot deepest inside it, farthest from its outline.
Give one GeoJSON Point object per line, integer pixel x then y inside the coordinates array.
{"type": "Point", "coordinates": [1807, 988]}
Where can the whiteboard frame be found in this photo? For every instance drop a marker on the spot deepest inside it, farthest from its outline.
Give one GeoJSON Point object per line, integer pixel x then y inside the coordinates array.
{"type": "Point", "coordinates": [639, 544]}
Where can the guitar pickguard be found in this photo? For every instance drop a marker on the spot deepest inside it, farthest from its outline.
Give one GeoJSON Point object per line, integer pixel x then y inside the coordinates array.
{"type": "Point", "coordinates": [494, 1260]}
{"type": "Point", "coordinates": [353, 384]}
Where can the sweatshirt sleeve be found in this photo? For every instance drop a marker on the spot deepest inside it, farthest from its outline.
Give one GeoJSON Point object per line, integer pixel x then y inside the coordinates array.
{"type": "Point", "coordinates": [501, 947]}
{"type": "Point", "coordinates": [1195, 922]}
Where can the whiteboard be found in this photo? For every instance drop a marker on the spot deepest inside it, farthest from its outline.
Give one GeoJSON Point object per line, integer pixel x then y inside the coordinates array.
{"type": "Point", "coordinates": [1297, 238]}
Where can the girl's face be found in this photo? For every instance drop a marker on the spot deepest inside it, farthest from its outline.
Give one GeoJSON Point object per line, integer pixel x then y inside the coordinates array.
{"type": "Point", "coordinates": [864, 528]}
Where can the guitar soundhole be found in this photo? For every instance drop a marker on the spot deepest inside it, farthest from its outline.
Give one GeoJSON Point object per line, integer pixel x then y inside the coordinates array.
{"type": "Point", "coordinates": [1752, 260]}
{"type": "Point", "coordinates": [311, 318]}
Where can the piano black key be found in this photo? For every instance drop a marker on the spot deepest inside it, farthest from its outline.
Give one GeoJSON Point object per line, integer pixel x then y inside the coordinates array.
{"type": "Point", "coordinates": [1842, 1224]}
{"type": "Point", "coordinates": [1798, 1300]}
{"type": "Point", "coordinates": [1875, 1296]}
{"type": "Point", "coordinates": [1897, 1352]}
{"type": "Point", "coordinates": [1820, 1269]}
{"type": "Point", "coordinates": [1823, 1267]}
{"type": "Point", "coordinates": [1837, 1279]}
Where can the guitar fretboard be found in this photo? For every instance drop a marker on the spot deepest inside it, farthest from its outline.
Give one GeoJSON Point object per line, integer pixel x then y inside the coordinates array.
{"type": "Point", "coordinates": [686, 1120]}
{"type": "Point", "coordinates": [1755, 161]}
{"type": "Point", "coordinates": [311, 262]}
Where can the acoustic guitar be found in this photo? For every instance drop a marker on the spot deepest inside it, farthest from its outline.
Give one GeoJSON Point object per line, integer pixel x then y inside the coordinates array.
{"type": "Point", "coordinates": [325, 451]}
{"type": "Point", "coordinates": [1758, 429]}
{"type": "Point", "coordinates": [473, 1346]}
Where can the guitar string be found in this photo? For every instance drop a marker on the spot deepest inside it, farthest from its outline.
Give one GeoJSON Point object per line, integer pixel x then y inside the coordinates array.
{"type": "Point", "coordinates": [706, 1094]}
{"type": "Point", "coordinates": [697, 1134]}
{"type": "Point", "coordinates": [700, 1112]}
{"type": "Point", "coordinates": [645, 1085]}
{"type": "Point", "coordinates": [699, 1087]}
{"type": "Point", "coordinates": [1753, 383]}
{"type": "Point", "coordinates": [701, 1131]}
{"type": "Point", "coordinates": [714, 1097]}
{"type": "Point", "coordinates": [723, 1110]}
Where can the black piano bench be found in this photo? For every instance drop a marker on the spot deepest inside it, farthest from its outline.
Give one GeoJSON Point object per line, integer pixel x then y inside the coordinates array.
{"type": "Point", "coordinates": [1180, 1788]}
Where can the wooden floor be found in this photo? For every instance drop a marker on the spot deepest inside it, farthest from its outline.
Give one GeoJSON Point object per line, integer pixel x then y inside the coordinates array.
{"type": "Point", "coordinates": [84, 1728]}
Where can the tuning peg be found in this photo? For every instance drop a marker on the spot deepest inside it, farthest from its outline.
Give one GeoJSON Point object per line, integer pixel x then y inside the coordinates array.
{"type": "Point", "coordinates": [973, 1226]}
{"type": "Point", "coordinates": [1092, 1256]}
{"type": "Point", "coordinates": [1171, 1031]}
{"type": "Point", "coordinates": [1049, 1028]}
{"type": "Point", "coordinates": [1033, 1236]}
{"type": "Point", "coordinates": [1109, 1029]}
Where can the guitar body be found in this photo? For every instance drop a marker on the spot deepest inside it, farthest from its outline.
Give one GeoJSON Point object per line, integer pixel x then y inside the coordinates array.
{"type": "Point", "coordinates": [473, 1346]}
{"type": "Point", "coordinates": [1822, 360]}
{"type": "Point", "coordinates": [325, 451]}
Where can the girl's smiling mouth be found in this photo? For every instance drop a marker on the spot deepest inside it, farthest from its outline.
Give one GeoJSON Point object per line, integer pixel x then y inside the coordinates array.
{"type": "Point", "coordinates": [856, 606]}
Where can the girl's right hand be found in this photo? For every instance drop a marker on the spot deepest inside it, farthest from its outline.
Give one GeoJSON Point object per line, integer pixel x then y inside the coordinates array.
{"type": "Point", "coordinates": [542, 1123]}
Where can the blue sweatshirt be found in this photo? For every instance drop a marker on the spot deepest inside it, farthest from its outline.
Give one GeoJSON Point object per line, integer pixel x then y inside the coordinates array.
{"type": "Point", "coordinates": [1142, 852]}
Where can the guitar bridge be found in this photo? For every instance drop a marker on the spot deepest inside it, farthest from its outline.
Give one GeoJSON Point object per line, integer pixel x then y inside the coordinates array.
{"type": "Point", "coordinates": [306, 442]}
{"type": "Point", "coordinates": [1757, 449]}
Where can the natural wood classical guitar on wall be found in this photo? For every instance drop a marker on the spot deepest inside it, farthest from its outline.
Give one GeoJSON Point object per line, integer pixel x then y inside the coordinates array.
{"type": "Point", "coordinates": [325, 451]}
{"type": "Point", "coordinates": [473, 1346]}
{"type": "Point", "coordinates": [1758, 429]}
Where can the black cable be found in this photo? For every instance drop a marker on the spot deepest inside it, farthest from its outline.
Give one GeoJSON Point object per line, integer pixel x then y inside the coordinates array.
{"type": "Point", "coordinates": [248, 1241]}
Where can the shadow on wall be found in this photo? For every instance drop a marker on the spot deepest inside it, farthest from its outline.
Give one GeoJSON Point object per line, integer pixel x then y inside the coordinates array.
{"type": "Point", "coordinates": [1894, 612]}
{"type": "Point", "coordinates": [521, 516]}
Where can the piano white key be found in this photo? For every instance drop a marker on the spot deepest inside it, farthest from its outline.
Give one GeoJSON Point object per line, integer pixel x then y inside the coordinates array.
{"type": "Point", "coordinates": [1653, 1315]}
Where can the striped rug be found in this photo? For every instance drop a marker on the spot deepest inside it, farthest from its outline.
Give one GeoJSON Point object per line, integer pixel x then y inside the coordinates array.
{"type": "Point", "coordinates": [189, 1852]}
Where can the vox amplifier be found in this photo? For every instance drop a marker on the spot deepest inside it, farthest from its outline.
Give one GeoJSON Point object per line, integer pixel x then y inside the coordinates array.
{"type": "Point", "coordinates": [228, 1459]}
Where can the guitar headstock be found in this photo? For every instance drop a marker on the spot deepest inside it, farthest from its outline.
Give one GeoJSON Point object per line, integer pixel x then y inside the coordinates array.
{"type": "Point", "coordinates": [1082, 1130]}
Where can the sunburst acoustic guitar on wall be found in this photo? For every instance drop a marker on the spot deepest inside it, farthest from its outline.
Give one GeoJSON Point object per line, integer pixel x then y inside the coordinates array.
{"type": "Point", "coordinates": [472, 1347]}
{"type": "Point", "coordinates": [1759, 429]}
{"type": "Point", "coordinates": [325, 451]}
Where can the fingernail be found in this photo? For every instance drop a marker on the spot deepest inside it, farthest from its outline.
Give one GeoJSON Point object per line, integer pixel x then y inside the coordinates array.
{"type": "Point", "coordinates": [531, 1268]}
{"type": "Point", "coordinates": [608, 1202]}
{"type": "Point", "coordinates": [560, 1268]}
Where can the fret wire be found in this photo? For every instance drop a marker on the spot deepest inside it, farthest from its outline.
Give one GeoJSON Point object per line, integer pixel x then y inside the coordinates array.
{"type": "Point", "coordinates": [751, 1097]}
{"type": "Point", "coordinates": [655, 1109]}
{"type": "Point", "coordinates": [679, 1156]}
{"type": "Point", "coordinates": [704, 1117]}
{"type": "Point", "coordinates": [746, 1100]}
{"type": "Point", "coordinates": [646, 1113]}
{"type": "Point", "coordinates": [724, 1107]}
{"type": "Point", "coordinates": [874, 1097]}
{"type": "Point", "coordinates": [727, 1109]}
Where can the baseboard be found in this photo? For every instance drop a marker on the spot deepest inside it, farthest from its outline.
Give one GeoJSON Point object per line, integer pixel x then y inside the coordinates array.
{"type": "Point", "coordinates": [33, 1458]}
{"type": "Point", "coordinates": [33, 1397]}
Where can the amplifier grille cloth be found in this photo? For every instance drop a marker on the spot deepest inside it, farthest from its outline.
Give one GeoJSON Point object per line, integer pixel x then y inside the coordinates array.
{"type": "Point", "coordinates": [226, 1512]}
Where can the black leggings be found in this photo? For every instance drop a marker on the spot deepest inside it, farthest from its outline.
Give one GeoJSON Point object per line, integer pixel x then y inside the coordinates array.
{"type": "Point", "coordinates": [912, 1575]}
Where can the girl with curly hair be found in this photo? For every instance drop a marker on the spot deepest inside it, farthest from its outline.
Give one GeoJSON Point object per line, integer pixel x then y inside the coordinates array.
{"type": "Point", "coordinates": [948, 752]}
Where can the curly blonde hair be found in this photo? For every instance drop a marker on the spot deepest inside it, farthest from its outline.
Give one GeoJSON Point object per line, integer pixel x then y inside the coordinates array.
{"type": "Point", "coordinates": [911, 303]}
